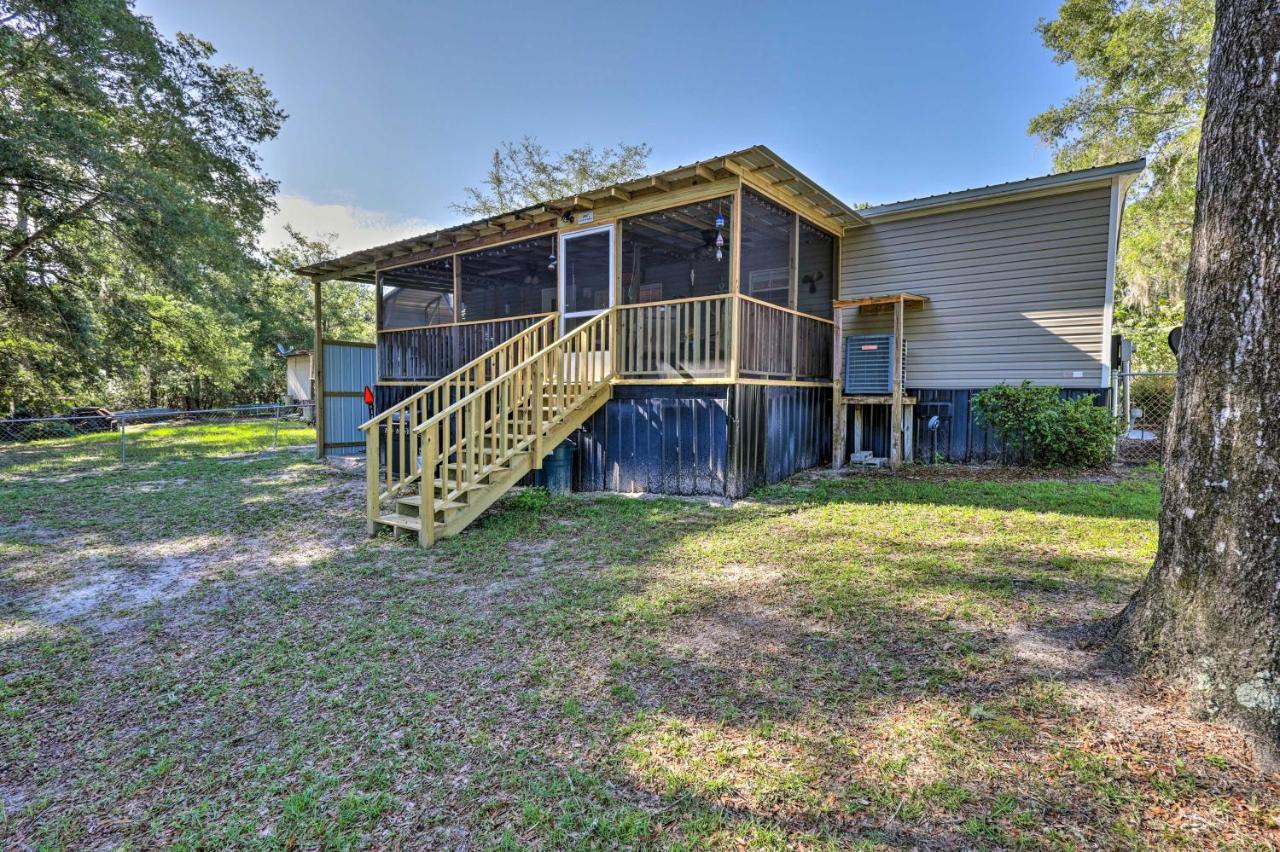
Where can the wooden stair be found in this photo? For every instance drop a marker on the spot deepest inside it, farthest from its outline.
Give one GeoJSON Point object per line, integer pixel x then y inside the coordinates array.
{"type": "Point", "coordinates": [476, 448]}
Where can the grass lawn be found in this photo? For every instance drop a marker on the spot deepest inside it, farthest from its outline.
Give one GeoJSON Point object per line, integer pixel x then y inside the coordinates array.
{"type": "Point", "coordinates": [204, 653]}
{"type": "Point", "coordinates": [150, 442]}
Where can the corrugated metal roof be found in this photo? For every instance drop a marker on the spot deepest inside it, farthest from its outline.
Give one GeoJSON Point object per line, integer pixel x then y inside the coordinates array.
{"type": "Point", "coordinates": [1010, 188]}
{"type": "Point", "coordinates": [757, 159]}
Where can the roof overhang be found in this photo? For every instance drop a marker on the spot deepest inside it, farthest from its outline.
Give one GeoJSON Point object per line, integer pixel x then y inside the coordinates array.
{"type": "Point", "coordinates": [1074, 181]}
{"type": "Point", "coordinates": [755, 165]}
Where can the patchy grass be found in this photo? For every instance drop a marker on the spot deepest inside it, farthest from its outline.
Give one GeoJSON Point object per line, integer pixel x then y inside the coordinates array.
{"type": "Point", "coordinates": [150, 442]}
{"type": "Point", "coordinates": [839, 662]}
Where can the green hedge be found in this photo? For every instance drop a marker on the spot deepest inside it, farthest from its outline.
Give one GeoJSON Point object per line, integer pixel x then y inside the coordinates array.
{"type": "Point", "coordinates": [1039, 427]}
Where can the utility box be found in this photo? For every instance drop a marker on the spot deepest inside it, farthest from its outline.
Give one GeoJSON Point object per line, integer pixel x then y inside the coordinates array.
{"type": "Point", "coordinates": [868, 364]}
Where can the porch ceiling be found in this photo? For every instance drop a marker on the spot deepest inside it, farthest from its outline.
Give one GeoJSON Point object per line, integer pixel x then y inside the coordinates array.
{"type": "Point", "coordinates": [757, 164]}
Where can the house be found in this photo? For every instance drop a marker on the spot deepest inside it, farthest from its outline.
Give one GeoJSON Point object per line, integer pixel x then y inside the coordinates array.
{"type": "Point", "coordinates": [689, 330]}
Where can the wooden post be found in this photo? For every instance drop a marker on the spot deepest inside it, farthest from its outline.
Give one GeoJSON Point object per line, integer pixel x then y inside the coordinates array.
{"type": "Point", "coordinates": [317, 365]}
{"type": "Point", "coordinates": [427, 492]}
{"type": "Point", "coordinates": [456, 267]}
{"type": "Point", "coordinates": [793, 294]}
{"type": "Point", "coordinates": [895, 436]}
{"type": "Point", "coordinates": [538, 401]}
{"type": "Point", "coordinates": [735, 286]}
{"type": "Point", "coordinates": [858, 428]}
{"type": "Point", "coordinates": [839, 413]}
{"type": "Point", "coordinates": [373, 505]}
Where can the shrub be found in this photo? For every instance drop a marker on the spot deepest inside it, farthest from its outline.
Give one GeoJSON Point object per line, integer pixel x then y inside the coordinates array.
{"type": "Point", "coordinates": [43, 430]}
{"type": "Point", "coordinates": [1038, 427]}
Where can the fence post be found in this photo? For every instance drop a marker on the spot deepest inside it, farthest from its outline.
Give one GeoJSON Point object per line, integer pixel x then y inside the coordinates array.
{"type": "Point", "coordinates": [1128, 401]}
{"type": "Point", "coordinates": [275, 434]}
{"type": "Point", "coordinates": [122, 425]}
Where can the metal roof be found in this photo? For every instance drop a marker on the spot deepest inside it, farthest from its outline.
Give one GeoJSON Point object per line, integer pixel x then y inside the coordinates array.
{"type": "Point", "coordinates": [999, 190]}
{"type": "Point", "coordinates": [757, 160]}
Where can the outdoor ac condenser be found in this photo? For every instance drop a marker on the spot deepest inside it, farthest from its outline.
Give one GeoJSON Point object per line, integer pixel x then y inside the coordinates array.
{"type": "Point", "coordinates": [868, 364]}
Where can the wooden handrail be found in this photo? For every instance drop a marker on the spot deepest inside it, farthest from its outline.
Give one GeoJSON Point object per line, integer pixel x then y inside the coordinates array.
{"type": "Point", "coordinates": [478, 435]}
{"type": "Point", "coordinates": [403, 442]}
{"type": "Point", "coordinates": [514, 370]}
{"type": "Point", "coordinates": [439, 383]}
{"type": "Point", "coordinates": [744, 297]}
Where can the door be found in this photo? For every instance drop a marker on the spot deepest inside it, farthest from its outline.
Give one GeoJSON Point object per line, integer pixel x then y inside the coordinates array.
{"type": "Point", "coordinates": [348, 369]}
{"type": "Point", "coordinates": [586, 288]}
{"type": "Point", "coordinates": [586, 275]}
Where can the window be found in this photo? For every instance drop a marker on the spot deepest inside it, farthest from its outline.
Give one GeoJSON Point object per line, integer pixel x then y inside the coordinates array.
{"type": "Point", "coordinates": [816, 262]}
{"type": "Point", "coordinates": [766, 249]}
{"type": "Point", "coordinates": [421, 294]}
{"type": "Point", "coordinates": [511, 280]}
{"type": "Point", "coordinates": [672, 254]}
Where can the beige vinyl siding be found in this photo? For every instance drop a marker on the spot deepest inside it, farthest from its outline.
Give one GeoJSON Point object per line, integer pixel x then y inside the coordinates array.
{"type": "Point", "coordinates": [1017, 290]}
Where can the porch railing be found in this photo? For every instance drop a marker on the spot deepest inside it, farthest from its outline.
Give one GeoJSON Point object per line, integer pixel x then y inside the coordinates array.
{"type": "Point", "coordinates": [781, 344]}
{"type": "Point", "coordinates": [400, 421]}
{"type": "Point", "coordinates": [425, 353]}
{"type": "Point", "coordinates": [678, 340]}
{"type": "Point", "coordinates": [681, 339]}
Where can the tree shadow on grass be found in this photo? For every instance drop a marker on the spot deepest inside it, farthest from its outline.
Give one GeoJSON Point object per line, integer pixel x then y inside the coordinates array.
{"type": "Point", "coordinates": [617, 672]}
{"type": "Point", "coordinates": [1135, 497]}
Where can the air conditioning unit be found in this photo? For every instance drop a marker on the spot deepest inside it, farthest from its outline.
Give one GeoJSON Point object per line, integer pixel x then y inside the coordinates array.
{"type": "Point", "coordinates": [868, 364]}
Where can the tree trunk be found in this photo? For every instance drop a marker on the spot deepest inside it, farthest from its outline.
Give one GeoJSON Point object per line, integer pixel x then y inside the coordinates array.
{"type": "Point", "coordinates": [1208, 614]}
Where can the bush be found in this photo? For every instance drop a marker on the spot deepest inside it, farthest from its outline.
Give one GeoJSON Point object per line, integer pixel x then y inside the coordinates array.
{"type": "Point", "coordinates": [46, 429]}
{"type": "Point", "coordinates": [1038, 427]}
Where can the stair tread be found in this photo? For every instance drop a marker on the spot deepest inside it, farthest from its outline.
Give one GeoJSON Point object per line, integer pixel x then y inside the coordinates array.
{"type": "Point", "coordinates": [408, 522]}
{"type": "Point", "coordinates": [441, 504]}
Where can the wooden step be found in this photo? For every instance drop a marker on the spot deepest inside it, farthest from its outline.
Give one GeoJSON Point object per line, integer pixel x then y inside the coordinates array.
{"type": "Point", "coordinates": [415, 500]}
{"type": "Point", "coordinates": [404, 522]}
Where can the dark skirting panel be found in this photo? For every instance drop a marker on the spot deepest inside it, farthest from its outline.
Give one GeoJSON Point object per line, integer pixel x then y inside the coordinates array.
{"type": "Point", "coordinates": [959, 438]}
{"type": "Point", "coordinates": [655, 438]}
{"type": "Point", "coordinates": [777, 431]}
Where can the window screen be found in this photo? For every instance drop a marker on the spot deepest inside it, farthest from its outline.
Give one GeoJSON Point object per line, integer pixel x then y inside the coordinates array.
{"type": "Point", "coordinates": [671, 254]}
{"type": "Point", "coordinates": [508, 281]}
{"type": "Point", "coordinates": [766, 249]}
{"type": "Point", "coordinates": [816, 261]}
{"type": "Point", "coordinates": [418, 295]}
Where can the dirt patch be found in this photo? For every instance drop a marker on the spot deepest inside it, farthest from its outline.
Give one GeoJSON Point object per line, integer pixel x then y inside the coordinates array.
{"type": "Point", "coordinates": [117, 591]}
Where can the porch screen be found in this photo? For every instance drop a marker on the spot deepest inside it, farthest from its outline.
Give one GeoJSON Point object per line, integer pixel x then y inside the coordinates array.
{"type": "Point", "coordinates": [766, 249]}
{"type": "Point", "coordinates": [671, 254]}
{"type": "Point", "coordinates": [816, 270]}
{"type": "Point", "coordinates": [417, 295]}
{"type": "Point", "coordinates": [511, 280]}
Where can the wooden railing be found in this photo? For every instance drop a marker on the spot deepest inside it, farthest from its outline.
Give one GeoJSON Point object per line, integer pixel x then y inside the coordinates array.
{"type": "Point", "coordinates": [480, 433]}
{"type": "Point", "coordinates": [781, 344]}
{"type": "Point", "coordinates": [681, 339]}
{"type": "Point", "coordinates": [400, 421]}
{"type": "Point", "coordinates": [425, 353]}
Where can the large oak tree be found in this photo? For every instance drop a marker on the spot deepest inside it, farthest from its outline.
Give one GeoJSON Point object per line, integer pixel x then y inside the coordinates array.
{"type": "Point", "coordinates": [1208, 614]}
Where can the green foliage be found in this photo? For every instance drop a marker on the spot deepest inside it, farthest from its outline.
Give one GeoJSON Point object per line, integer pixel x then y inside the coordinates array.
{"type": "Point", "coordinates": [1144, 70]}
{"type": "Point", "coordinates": [525, 173]}
{"type": "Point", "coordinates": [131, 197]}
{"type": "Point", "coordinates": [1039, 427]}
{"type": "Point", "coordinates": [1148, 327]}
{"type": "Point", "coordinates": [44, 430]}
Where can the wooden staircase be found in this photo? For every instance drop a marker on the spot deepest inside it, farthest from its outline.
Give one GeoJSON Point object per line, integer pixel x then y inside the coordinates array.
{"type": "Point", "coordinates": [485, 437]}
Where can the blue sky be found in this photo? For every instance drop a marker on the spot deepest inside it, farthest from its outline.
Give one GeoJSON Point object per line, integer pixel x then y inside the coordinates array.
{"type": "Point", "coordinates": [395, 107]}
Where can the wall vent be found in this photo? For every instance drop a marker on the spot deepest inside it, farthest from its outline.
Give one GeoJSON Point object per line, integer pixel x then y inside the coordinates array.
{"type": "Point", "coordinates": [868, 364]}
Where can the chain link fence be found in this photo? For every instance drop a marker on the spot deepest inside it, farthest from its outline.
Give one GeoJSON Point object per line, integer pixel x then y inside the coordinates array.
{"type": "Point", "coordinates": [100, 438]}
{"type": "Point", "coordinates": [1144, 402]}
